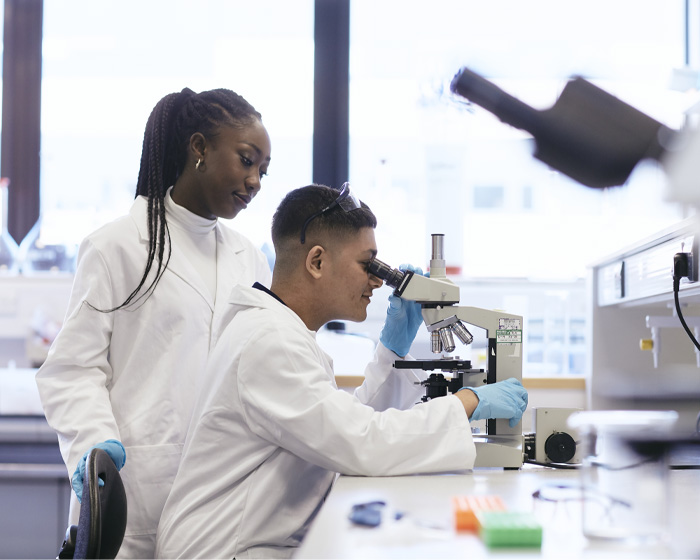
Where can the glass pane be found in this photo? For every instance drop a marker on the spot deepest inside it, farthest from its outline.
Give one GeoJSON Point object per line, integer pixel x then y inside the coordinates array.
{"type": "Point", "coordinates": [428, 162]}
{"type": "Point", "coordinates": [107, 63]}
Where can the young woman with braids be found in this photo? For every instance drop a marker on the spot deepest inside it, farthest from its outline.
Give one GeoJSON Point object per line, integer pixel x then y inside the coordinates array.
{"type": "Point", "coordinates": [149, 294]}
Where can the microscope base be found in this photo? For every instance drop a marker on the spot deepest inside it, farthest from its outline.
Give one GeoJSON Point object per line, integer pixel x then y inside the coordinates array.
{"type": "Point", "coordinates": [504, 451]}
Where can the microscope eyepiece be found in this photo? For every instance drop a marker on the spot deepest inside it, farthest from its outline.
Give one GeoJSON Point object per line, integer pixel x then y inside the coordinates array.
{"type": "Point", "coordinates": [392, 276]}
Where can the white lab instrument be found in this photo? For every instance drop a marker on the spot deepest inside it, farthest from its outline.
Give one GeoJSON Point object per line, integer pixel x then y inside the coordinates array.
{"type": "Point", "coordinates": [552, 439]}
{"type": "Point", "coordinates": [502, 445]}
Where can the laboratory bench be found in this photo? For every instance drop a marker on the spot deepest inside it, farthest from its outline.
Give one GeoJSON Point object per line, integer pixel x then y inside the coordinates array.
{"type": "Point", "coordinates": [553, 392]}
{"type": "Point", "coordinates": [570, 382]}
{"type": "Point", "coordinates": [425, 524]}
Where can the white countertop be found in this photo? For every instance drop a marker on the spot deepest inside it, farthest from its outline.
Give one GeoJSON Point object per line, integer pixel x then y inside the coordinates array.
{"type": "Point", "coordinates": [18, 392]}
{"type": "Point", "coordinates": [427, 528]}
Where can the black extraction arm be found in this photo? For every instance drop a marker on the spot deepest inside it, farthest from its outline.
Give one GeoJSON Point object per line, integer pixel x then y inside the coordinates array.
{"type": "Point", "coordinates": [588, 134]}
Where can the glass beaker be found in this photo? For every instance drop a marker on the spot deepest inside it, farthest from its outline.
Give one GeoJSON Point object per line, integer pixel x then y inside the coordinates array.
{"type": "Point", "coordinates": [42, 253]}
{"type": "Point", "coordinates": [624, 474]}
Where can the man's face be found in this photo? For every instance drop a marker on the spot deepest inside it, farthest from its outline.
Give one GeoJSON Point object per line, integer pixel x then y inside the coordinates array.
{"type": "Point", "coordinates": [351, 283]}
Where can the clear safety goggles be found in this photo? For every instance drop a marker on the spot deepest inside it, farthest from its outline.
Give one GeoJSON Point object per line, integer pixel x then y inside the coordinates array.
{"type": "Point", "coordinates": [346, 200]}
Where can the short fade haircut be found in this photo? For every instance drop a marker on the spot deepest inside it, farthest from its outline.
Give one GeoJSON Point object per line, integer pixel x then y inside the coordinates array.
{"type": "Point", "coordinates": [299, 204]}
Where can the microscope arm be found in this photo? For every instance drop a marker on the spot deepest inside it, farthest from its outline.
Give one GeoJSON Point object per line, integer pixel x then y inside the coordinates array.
{"type": "Point", "coordinates": [429, 291]}
{"type": "Point", "coordinates": [491, 321]}
{"type": "Point", "coordinates": [503, 332]}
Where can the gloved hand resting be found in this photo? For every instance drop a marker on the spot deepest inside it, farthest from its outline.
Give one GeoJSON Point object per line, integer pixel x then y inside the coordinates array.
{"type": "Point", "coordinates": [403, 318]}
{"type": "Point", "coordinates": [505, 399]}
{"type": "Point", "coordinates": [116, 452]}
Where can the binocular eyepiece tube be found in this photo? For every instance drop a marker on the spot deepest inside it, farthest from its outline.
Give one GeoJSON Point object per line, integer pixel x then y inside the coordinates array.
{"type": "Point", "coordinates": [392, 276]}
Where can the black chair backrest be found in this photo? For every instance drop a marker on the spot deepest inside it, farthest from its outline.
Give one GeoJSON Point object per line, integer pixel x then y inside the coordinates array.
{"type": "Point", "coordinates": [102, 519]}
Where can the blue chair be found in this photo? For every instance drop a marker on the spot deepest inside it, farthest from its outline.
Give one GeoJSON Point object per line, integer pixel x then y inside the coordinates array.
{"type": "Point", "coordinates": [102, 521]}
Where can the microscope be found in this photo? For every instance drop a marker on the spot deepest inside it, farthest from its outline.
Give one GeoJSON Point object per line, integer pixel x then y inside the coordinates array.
{"type": "Point", "coordinates": [501, 445]}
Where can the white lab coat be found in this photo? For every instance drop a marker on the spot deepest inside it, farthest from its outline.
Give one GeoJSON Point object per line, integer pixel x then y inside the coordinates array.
{"type": "Point", "coordinates": [132, 374]}
{"type": "Point", "coordinates": [271, 430]}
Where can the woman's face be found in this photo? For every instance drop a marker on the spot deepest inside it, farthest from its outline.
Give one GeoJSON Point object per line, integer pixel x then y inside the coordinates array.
{"type": "Point", "coordinates": [234, 163]}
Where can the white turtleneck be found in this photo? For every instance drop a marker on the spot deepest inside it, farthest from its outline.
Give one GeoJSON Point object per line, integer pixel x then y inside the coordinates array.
{"type": "Point", "coordinates": [195, 238]}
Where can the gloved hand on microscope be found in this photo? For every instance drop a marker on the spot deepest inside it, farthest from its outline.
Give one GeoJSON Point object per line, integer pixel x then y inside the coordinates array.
{"type": "Point", "coordinates": [505, 399]}
{"type": "Point", "coordinates": [403, 319]}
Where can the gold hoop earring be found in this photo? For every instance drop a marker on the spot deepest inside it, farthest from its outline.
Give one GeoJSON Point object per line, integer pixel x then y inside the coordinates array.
{"type": "Point", "coordinates": [196, 165]}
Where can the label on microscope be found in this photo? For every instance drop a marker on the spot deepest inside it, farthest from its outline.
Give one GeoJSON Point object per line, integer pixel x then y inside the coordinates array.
{"type": "Point", "coordinates": [507, 324]}
{"type": "Point", "coordinates": [510, 331]}
{"type": "Point", "coordinates": [509, 337]}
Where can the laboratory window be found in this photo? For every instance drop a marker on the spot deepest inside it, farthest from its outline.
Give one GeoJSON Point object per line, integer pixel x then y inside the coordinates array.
{"type": "Point", "coordinates": [104, 69]}
{"type": "Point", "coordinates": [429, 162]}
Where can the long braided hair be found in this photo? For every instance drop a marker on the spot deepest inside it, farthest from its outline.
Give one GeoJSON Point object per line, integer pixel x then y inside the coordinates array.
{"type": "Point", "coordinates": [173, 121]}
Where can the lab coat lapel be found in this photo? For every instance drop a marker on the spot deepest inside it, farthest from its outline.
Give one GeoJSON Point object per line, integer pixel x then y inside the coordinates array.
{"type": "Point", "coordinates": [178, 264]}
{"type": "Point", "coordinates": [181, 267]}
{"type": "Point", "coordinates": [231, 264]}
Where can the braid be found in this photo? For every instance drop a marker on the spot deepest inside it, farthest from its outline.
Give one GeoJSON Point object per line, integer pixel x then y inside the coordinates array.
{"type": "Point", "coordinates": [171, 124]}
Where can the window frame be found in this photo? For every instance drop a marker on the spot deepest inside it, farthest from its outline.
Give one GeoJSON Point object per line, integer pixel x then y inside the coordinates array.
{"type": "Point", "coordinates": [21, 112]}
{"type": "Point", "coordinates": [21, 108]}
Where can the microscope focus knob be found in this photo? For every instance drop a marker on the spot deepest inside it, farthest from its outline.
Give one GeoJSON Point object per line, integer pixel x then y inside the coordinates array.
{"type": "Point", "coordinates": [560, 447]}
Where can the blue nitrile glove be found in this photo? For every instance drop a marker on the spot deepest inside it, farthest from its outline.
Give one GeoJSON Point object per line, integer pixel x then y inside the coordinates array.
{"type": "Point", "coordinates": [116, 452]}
{"type": "Point", "coordinates": [505, 399]}
{"type": "Point", "coordinates": [403, 318]}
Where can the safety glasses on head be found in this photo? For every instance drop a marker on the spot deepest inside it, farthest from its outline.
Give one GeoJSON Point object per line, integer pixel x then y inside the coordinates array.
{"type": "Point", "coordinates": [346, 200]}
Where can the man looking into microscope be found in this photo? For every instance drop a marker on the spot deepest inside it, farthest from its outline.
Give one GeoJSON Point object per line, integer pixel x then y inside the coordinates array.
{"type": "Point", "coordinates": [271, 429]}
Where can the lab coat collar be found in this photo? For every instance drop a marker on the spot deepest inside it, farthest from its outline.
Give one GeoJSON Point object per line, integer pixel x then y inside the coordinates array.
{"type": "Point", "coordinates": [259, 286]}
{"type": "Point", "coordinates": [248, 297]}
{"type": "Point", "coordinates": [227, 269]}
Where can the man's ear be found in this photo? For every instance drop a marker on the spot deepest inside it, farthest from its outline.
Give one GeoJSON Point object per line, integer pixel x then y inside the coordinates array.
{"type": "Point", "coordinates": [315, 261]}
